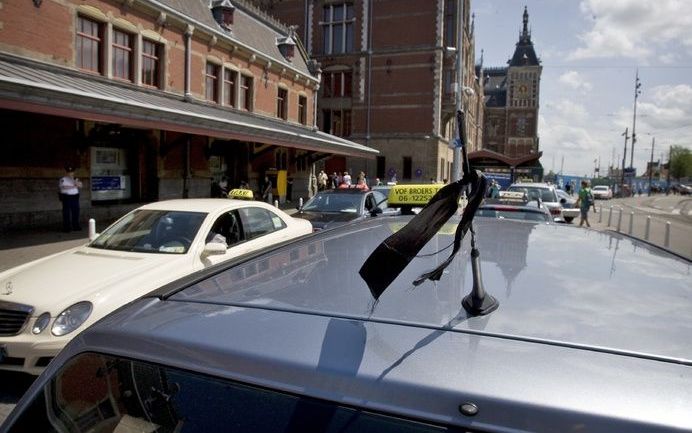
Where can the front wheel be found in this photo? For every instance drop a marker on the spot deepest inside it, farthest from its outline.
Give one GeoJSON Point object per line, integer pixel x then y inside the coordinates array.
{"type": "Point", "coordinates": [569, 219]}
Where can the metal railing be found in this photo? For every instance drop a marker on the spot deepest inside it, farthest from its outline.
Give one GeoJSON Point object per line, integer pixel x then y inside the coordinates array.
{"type": "Point", "coordinates": [653, 228]}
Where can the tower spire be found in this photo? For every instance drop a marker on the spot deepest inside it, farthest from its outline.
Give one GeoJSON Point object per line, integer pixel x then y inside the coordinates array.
{"type": "Point", "coordinates": [525, 31]}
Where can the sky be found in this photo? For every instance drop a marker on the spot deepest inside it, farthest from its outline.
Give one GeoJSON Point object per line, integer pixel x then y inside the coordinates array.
{"type": "Point", "coordinates": [590, 52]}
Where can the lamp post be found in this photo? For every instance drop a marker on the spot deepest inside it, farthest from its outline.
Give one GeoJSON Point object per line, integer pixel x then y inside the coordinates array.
{"type": "Point", "coordinates": [456, 162]}
{"type": "Point", "coordinates": [624, 157]}
{"type": "Point", "coordinates": [637, 92]}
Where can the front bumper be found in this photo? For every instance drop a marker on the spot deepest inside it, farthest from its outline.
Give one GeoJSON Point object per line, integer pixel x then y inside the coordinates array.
{"type": "Point", "coordinates": [29, 353]}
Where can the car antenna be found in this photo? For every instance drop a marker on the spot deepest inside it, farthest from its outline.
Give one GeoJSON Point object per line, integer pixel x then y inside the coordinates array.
{"type": "Point", "coordinates": [390, 258]}
{"type": "Point", "coordinates": [478, 302]}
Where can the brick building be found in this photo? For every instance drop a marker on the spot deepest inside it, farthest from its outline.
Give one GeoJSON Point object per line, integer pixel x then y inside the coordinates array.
{"type": "Point", "coordinates": [388, 79]}
{"type": "Point", "coordinates": [150, 99]}
{"type": "Point", "coordinates": [510, 124]}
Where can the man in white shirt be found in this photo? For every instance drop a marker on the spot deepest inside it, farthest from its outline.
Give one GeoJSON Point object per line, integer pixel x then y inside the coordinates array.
{"type": "Point", "coordinates": [69, 196]}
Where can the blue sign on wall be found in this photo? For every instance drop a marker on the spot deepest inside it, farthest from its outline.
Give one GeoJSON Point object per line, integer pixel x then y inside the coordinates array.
{"type": "Point", "coordinates": [105, 183]}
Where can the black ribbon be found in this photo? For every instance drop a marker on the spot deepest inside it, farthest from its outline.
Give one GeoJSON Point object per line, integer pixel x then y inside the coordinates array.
{"type": "Point", "coordinates": [392, 256]}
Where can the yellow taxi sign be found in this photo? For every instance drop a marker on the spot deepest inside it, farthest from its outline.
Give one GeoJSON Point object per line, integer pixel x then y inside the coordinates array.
{"type": "Point", "coordinates": [241, 194]}
{"type": "Point", "coordinates": [412, 195]}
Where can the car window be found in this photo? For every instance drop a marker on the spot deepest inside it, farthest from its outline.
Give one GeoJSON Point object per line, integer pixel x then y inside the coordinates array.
{"type": "Point", "coordinates": [545, 194]}
{"type": "Point", "coordinates": [381, 199]}
{"type": "Point", "coordinates": [258, 222]}
{"type": "Point", "coordinates": [227, 228]}
{"type": "Point", "coordinates": [334, 202]}
{"type": "Point", "coordinates": [100, 393]}
{"type": "Point", "coordinates": [152, 231]}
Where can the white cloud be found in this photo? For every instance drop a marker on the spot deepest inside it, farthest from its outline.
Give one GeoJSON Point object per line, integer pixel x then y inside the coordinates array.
{"type": "Point", "coordinates": [576, 81]}
{"type": "Point", "coordinates": [634, 28]}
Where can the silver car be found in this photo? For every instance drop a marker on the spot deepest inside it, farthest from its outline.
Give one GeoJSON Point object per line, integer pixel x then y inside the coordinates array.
{"type": "Point", "coordinates": [291, 340]}
{"type": "Point", "coordinates": [546, 193]}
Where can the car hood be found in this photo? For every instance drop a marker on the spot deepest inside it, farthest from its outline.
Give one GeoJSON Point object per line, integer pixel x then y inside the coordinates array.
{"type": "Point", "coordinates": [557, 285]}
{"type": "Point", "coordinates": [320, 220]}
{"type": "Point", "coordinates": [84, 273]}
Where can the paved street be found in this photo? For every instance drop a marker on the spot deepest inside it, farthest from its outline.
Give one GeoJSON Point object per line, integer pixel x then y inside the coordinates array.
{"type": "Point", "coordinates": [21, 247]}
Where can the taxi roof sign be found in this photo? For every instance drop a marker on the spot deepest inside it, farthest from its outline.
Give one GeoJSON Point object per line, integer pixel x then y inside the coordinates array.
{"type": "Point", "coordinates": [413, 195]}
{"type": "Point", "coordinates": [241, 194]}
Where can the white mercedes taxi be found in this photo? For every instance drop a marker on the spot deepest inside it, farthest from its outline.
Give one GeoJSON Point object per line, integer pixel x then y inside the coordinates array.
{"type": "Point", "coordinates": [47, 302]}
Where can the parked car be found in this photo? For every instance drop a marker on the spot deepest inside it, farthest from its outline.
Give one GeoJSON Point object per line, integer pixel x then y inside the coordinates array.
{"type": "Point", "coordinates": [602, 192]}
{"type": "Point", "coordinates": [545, 192]}
{"type": "Point", "coordinates": [290, 339]}
{"type": "Point", "coordinates": [516, 206]}
{"type": "Point", "coordinates": [330, 208]}
{"type": "Point", "coordinates": [49, 301]}
{"type": "Point", "coordinates": [568, 202]}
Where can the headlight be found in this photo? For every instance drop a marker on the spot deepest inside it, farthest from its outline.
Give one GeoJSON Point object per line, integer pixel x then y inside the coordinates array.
{"type": "Point", "coordinates": [41, 323]}
{"type": "Point", "coordinates": [71, 318]}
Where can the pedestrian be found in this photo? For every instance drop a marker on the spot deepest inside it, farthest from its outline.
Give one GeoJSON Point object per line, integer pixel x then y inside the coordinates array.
{"type": "Point", "coordinates": [69, 196]}
{"type": "Point", "coordinates": [289, 189]}
{"type": "Point", "coordinates": [377, 181]}
{"type": "Point", "coordinates": [347, 178]}
{"type": "Point", "coordinates": [267, 194]}
{"type": "Point", "coordinates": [322, 181]}
{"type": "Point", "coordinates": [494, 190]}
{"type": "Point", "coordinates": [568, 188]}
{"type": "Point", "coordinates": [335, 180]}
{"type": "Point", "coordinates": [223, 187]}
{"type": "Point", "coordinates": [584, 201]}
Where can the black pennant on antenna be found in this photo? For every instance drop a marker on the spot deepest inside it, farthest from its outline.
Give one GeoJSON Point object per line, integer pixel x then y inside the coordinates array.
{"type": "Point", "coordinates": [393, 255]}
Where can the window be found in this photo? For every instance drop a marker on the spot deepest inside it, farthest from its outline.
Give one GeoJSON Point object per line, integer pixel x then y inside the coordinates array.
{"type": "Point", "coordinates": [122, 55]}
{"type": "Point", "coordinates": [302, 110]}
{"type": "Point", "coordinates": [337, 122]}
{"type": "Point", "coordinates": [281, 104]}
{"type": "Point", "coordinates": [337, 84]}
{"type": "Point", "coordinates": [259, 222]}
{"type": "Point", "coordinates": [151, 61]}
{"type": "Point", "coordinates": [230, 78]}
{"type": "Point", "coordinates": [211, 82]}
{"type": "Point", "coordinates": [450, 23]}
{"type": "Point", "coordinates": [94, 392]}
{"type": "Point", "coordinates": [89, 45]}
{"type": "Point", "coordinates": [245, 92]}
{"type": "Point", "coordinates": [337, 28]}
{"type": "Point", "coordinates": [227, 228]}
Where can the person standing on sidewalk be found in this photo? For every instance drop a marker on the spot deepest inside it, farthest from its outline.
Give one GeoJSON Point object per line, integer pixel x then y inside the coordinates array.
{"type": "Point", "coordinates": [584, 201]}
{"type": "Point", "coordinates": [69, 196]}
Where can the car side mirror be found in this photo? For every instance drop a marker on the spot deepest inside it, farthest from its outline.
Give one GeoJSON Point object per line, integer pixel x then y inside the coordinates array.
{"type": "Point", "coordinates": [563, 201]}
{"type": "Point", "coordinates": [214, 249]}
{"type": "Point", "coordinates": [376, 211]}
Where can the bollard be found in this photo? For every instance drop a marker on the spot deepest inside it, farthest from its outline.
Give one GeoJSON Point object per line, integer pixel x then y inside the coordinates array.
{"type": "Point", "coordinates": [610, 215]}
{"type": "Point", "coordinates": [600, 214]}
{"type": "Point", "coordinates": [648, 227]}
{"type": "Point", "coordinates": [92, 229]}
{"type": "Point", "coordinates": [629, 232]}
{"type": "Point", "coordinates": [666, 242]}
{"type": "Point", "coordinates": [619, 220]}
{"type": "Point", "coordinates": [300, 202]}
{"type": "Point", "coordinates": [276, 203]}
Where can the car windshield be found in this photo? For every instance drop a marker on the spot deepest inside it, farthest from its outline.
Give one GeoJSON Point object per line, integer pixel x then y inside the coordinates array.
{"type": "Point", "coordinates": [334, 202]}
{"type": "Point", "coordinates": [600, 188]}
{"type": "Point", "coordinates": [152, 231]}
{"type": "Point", "coordinates": [545, 194]}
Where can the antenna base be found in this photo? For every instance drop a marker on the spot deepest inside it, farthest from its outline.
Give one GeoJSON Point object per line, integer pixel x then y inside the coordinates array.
{"type": "Point", "coordinates": [479, 306]}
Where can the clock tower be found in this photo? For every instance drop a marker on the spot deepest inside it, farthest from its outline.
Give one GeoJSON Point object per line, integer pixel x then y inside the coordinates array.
{"type": "Point", "coordinates": [510, 120]}
{"type": "Point", "coordinates": [523, 76]}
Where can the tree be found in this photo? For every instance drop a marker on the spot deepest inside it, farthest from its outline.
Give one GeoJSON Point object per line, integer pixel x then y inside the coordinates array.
{"type": "Point", "coordinates": [680, 162]}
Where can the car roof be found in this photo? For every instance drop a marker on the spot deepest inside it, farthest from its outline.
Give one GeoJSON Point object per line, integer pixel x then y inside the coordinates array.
{"type": "Point", "coordinates": [208, 205]}
{"type": "Point", "coordinates": [601, 187]}
{"type": "Point", "coordinates": [532, 185]}
{"type": "Point", "coordinates": [611, 311]}
{"type": "Point", "coordinates": [353, 190]}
